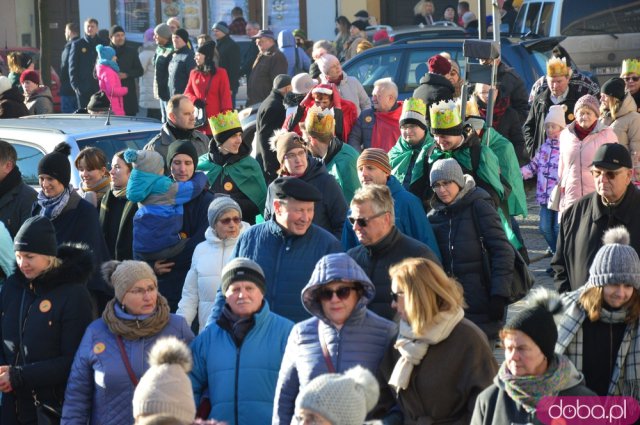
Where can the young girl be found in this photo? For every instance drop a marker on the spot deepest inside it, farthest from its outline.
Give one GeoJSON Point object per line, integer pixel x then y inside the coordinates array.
{"type": "Point", "coordinates": [107, 70]}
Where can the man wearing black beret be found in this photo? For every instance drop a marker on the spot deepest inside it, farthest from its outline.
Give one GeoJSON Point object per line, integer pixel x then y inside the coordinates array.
{"type": "Point", "coordinates": [287, 247]}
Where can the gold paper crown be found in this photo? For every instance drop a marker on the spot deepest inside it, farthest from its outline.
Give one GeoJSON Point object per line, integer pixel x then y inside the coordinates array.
{"type": "Point", "coordinates": [630, 66]}
{"type": "Point", "coordinates": [445, 114]}
{"type": "Point", "coordinates": [471, 109]}
{"type": "Point", "coordinates": [319, 122]}
{"type": "Point", "coordinates": [224, 121]}
{"type": "Point", "coordinates": [414, 104]}
{"type": "Point", "coordinates": [557, 67]}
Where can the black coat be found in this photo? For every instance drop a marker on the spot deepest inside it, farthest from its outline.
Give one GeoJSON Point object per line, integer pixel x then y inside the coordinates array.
{"type": "Point", "coordinates": [117, 228]}
{"type": "Point", "coordinates": [161, 76]}
{"type": "Point", "coordinates": [511, 85]}
{"type": "Point", "coordinates": [248, 59]}
{"type": "Point", "coordinates": [53, 311]}
{"type": "Point", "coordinates": [129, 63]}
{"type": "Point", "coordinates": [581, 229]}
{"type": "Point", "coordinates": [433, 88]}
{"type": "Point", "coordinates": [82, 62]}
{"type": "Point", "coordinates": [180, 67]}
{"type": "Point", "coordinates": [376, 259]}
{"type": "Point", "coordinates": [65, 82]}
{"type": "Point", "coordinates": [12, 104]}
{"type": "Point", "coordinates": [16, 201]}
{"type": "Point", "coordinates": [270, 117]}
{"type": "Point", "coordinates": [462, 256]}
{"type": "Point", "coordinates": [229, 52]}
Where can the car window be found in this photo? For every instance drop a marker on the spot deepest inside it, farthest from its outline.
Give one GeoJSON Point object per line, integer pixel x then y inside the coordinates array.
{"type": "Point", "coordinates": [369, 69]}
{"type": "Point", "coordinates": [417, 66]}
{"type": "Point", "coordinates": [531, 21]}
{"type": "Point", "coordinates": [544, 29]}
{"type": "Point", "coordinates": [517, 26]}
{"type": "Point", "coordinates": [115, 143]}
{"type": "Point", "coordinates": [28, 159]}
{"type": "Point", "coordinates": [602, 17]}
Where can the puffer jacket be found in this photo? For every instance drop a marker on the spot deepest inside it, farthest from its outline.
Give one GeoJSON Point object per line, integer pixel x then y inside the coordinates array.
{"type": "Point", "coordinates": [461, 250]}
{"type": "Point", "coordinates": [362, 340]}
{"type": "Point", "coordinates": [576, 157]}
{"type": "Point", "coordinates": [100, 389]}
{"type": "Point", "coordinates": [205, 275]}
{"type": "Point", "coordinates": [145, 83]}
{"type": "Point", "coordinates": [40, 101]}
{"type": "Point", "coordinates": [351, 89]}
{"type": "Point", "coordinates": [54, 310]}
{"type": "Point", "coordinates": [544, 165]}
{"type": "Point", "coordinates": [287, 45]}
{"type": "Point", "coordinates": [109, 82]}
{"type": "Point", "coordinates": [180, 67]}
{"type": "Point", "coordinates": [241, 379]}
{"type": "Point", "coordinates": [627, 124]}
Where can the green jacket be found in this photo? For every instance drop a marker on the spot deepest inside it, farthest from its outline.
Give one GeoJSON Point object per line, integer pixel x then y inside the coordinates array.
{"type": "Point", "coordinates": [400, 158]}
{"type": "Point", "coordinates": [343, 167]}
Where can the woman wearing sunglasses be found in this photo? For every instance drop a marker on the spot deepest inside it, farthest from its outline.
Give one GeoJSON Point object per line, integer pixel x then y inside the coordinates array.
{"type": "Point", "coordinates": [475, 250]}
{"type": "Point", "coordinates": [342, 333]}
{"type": "Point", "coordinates": [209, 257]}
{"type": "Point", "coordinates": [631, 76]}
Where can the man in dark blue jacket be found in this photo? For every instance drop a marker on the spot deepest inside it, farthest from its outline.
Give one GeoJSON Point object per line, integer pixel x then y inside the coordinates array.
{"type": "Point", "coordinates": [82, 61]}
{"type": "Point", "coordinates": [182, 62]}
{"type": "Point", "coordinates": [287, 247]}
{"type": "Point", "coordinates": [68, 100]}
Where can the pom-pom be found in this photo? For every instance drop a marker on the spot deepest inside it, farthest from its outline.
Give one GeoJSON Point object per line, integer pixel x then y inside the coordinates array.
{"type": "Point", "coordinates": [619, 235]}
{"type": "Point", "coordinates": [130, 155]}
{"type": "Point", "coordinates": [63, 148]}
{"type": "Point", "coordinates": [170, 350]}
{"type": "Point", "coordinates": [367, 383]}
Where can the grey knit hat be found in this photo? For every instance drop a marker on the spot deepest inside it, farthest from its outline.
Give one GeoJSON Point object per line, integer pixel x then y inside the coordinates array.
{"type": "Point", "coordinates": [164, 31]}
{"type": "Point", "coordinates": [219, 206]}
{"type": "Point", "coordinates": [341, 399]}
{"type": "Point", "coordinates": [147, 161]}
{"type": "Point", "coordinates": [122, 275]}
{"type": "Point", "coordinates": [242, 269]}
{"type": "Point", "coordinates": [165, 388]}
{"type": "Point", "coordinates": [615, 262]}
{"type": "Point", "coordinates": [447, 169]}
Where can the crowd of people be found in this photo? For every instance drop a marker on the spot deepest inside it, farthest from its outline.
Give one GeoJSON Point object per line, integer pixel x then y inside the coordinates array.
{"type": "Point", "coordinates": [359, 268]}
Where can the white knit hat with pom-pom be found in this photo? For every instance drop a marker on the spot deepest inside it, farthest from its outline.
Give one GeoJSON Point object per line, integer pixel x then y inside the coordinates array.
{"type": "Point", "coordinates": [615, 262]}
{"type": "Point", "coordinates": [165, 387]}
{"type": "Point", "coordinates": [343, 399]}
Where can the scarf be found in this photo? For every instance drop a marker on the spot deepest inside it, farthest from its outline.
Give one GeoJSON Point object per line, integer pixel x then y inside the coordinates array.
{"type": "Point", "coordinates": [337, 81]}
{"type": "Point", "coordinates": [625, 380]}
{"type": "Point", "coordinates": [110, 63]}
{"type": "Point", "coordinates": [118, 192]}
{"type": "Point", "coordinates": [142, 326]}
{"type": "Point", "coordinates": [52, 207]}
{"type": "Point", "coordinates": [581, 133]}
{"type": "Point", "coordinates": [413, 348]}
{"type": "Point", "coordinates": [499, 109]}
{"type": "Point", "coordinates": [528, 390]}
{"type": "Point", "coordinates": [179, 133]}
{"type": "Point", "coordinates": [386, 129]}
{"type": "Point", "coordinates": [94, 194]}
{"type": "Point", "coordinates": [11, 180]}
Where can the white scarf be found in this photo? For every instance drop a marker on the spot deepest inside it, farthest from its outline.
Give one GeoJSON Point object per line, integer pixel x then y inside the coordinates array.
{"type": "Point", "coordinates": [413, 348]}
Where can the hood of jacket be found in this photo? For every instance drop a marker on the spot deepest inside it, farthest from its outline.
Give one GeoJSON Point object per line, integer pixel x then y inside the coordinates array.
{"type": "Point", "coordinates": [315, 167]}
{"type": "Point", "coordinates": [42, 91]}
{"type": "Point", "coordinates": [76, 267]}
{"type": "Point", "coordinates": [286, 39]}
{"type": "Point", "coordinates": [628, 106]}
{"type": "Point", "coordinates": [331, 268]}
{"type": "Point", "coordinates": [12, 94]}
{"type": "Point", "coordinates": [436, 80]}
{"type": "Point", "coordinates": [211, 237]}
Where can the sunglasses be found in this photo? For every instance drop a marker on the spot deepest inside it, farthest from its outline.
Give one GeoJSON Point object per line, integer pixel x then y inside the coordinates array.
{"type": "Point", "coordinates": [228, 220]}
{"type": "Point", "coordinates": [395, 296]}
{"type": "Point", "coordinates": [363, 222]}
{"type": "Point", "coordinates": [342, 293]}
{"type": "Point", "coordinates": [611, 175]}
{"type": "Point", "coordinates": [627, 79]}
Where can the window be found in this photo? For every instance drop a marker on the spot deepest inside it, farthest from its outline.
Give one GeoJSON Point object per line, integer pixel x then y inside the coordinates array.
{"type": "Point", "coordinates": [531, 21]}
{"type": "Point", "coordinates": [544, 29]}
{"type": "Point", "coordinates": [28, 159]}
{"type": "Point", "coordinates": [135, 16]}
{"type": "Point", "coordinates": [417, 66]}
{"type": "Point", "coordinates": [601, 17]}
{"type": "Point", "coordinates": [116, 143]}
{"type": "Point", "coordinates": [371, 68]}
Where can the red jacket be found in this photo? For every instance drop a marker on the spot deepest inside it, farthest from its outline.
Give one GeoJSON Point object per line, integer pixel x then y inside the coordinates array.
{"type": "Point", "coordinates": [218, 97]}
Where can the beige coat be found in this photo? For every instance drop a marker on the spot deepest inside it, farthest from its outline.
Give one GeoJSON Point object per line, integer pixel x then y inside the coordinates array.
{"type": "Point", "coordinates": [627, 125]}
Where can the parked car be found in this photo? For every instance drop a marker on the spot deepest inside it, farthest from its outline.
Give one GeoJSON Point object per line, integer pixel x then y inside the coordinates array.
{"type": "Point", "coordinates": [35, 136]}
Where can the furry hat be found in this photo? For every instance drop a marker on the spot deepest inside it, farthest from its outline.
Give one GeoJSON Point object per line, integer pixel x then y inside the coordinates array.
{"type": "Point", "coordinates": [283, 141]}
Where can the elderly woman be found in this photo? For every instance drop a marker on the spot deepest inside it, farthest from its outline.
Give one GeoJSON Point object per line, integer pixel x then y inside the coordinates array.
{"type": "Point", "coordinates": [44, 310]}
{"type": "Point", "coordinates": [334, 339]}
{"type": "Point", "coordinates": [579, 142]}
{"type": "Point", "coordinates": [91, 164]}
{"type": "Point", "coordinates": [113, 354]}
{"type": "Point", "coordinates": [441, 361]}
{"type": "Point", "coordinates": [530, 370]}
{"type": "Point", "coordinates": [599, 330]}
{"type": "Point", "coordinates": [238, 357]}
{"type": "Point", "coordinates": [473, 244]}
{"type": "Point", "coordinates": [74, 219]}
{"type": "Point", "coordinates": [619, 110]}
{"type": "Point", "coordinates": [209, 257]}
{"type": "Point", "coordinates": [116, 211]}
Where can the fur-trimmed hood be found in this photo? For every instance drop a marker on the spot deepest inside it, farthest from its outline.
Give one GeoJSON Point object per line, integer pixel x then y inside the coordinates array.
{"type": "Point", "coordinates": [77, 266]}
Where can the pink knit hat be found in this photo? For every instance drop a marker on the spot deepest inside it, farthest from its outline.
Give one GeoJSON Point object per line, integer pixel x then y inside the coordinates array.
{"type": "Point", "coordinates": [588, 101]}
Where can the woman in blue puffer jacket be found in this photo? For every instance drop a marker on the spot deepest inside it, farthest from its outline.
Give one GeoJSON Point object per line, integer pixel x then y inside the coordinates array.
{"type": "Point", "coordinates": [337, 296]}
{"type": "Point", "coordinates": [113, 354]}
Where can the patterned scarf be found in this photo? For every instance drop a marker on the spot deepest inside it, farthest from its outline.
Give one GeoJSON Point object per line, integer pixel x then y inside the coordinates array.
{"type": "Point", "coordinates": [118, 192]}
{"type": "Point", "coordinates": [142, 326]}
{"type": "Point", "coordinates": [528, 390]}
{"type": "Point", "coordinates": [52, 207]}
{"type": "Point", "coordinates": [625, 380]}
{"type": "Point", "coordinates": [413, 347]}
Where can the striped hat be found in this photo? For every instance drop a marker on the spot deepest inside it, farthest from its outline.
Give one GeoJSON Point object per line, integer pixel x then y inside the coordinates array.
{"type": "Point", "coordinates": [376, 157]}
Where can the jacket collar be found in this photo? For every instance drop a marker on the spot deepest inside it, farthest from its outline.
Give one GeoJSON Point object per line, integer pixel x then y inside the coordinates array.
{"type": "Point", "coordinates": [624, 212]}
{"type": "Point", "coordinates": [384, 244]}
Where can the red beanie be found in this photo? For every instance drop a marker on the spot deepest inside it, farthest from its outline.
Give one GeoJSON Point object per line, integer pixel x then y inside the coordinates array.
{"type": "Point", "coordinates": [31, 76]}
{"type": "Point", "coordinates": [439, 65]}
{"type": "Point", "coordinates": [381, 35]}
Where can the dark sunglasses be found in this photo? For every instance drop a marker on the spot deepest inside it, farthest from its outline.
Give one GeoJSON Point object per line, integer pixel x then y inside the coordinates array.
{"type": "Point", "coordinates": [395, 296]}
{"type": "Point", "coordinates": [611, 175]}
{"type": "Point", "coordinates": [228, 220]}
{"type": "Point", "coordinates": [362, 222]}
{"type": "Point", "coordinates": [343, 293]}
{"type": "Point", "coordinates": [627, 79]}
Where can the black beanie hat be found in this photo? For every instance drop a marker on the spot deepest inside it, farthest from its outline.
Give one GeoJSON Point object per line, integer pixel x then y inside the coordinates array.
{"type": "Point", "coordinates": [99, 102]}
{"type": "Point", "coordinates": [242, 269]}
{"type": "Point", "coordinates": [182, 147]}
{"type": "Point", "coordinates": [56, 164]}
{"type": "Point", "coordinates": [37, 235]}
{"type": "Point", "coordinates": [115, 29]}
{"type": "Point", "coordinates": [183, 34]}
{"type": "Point", "coordinates": [537, 320]}
{"type": "Point", "coordinates": [208, 49]}
{"type": "Point", "coordinates": [614, 87]}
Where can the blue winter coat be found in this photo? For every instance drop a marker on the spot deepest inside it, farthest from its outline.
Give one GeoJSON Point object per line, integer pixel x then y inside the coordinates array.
{"type": "Point", "coordinates": [410, 220]}
{"type": "Point", "coordinates": [287, 261]}
{"type": "Point", "coordinates": [99, 389]}
{"type": "Point", "coordinates": [82, 60]}
{"type": "Point", "coordinates": [362, 340]}
{"type": "Point", "coordinates": [241, 380]}
{"type": "Point", "coordinates": [180, 67]}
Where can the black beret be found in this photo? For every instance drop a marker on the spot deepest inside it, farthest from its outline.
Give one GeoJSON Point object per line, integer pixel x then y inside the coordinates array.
{"type": "Point", "coordinates": [298, 189]}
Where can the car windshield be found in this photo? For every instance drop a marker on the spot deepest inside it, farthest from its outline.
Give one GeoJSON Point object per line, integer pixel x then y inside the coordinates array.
{"type": "Point", "coordinates": [581, 17]}
{"type": "Point", "coordinates": [112, 144]}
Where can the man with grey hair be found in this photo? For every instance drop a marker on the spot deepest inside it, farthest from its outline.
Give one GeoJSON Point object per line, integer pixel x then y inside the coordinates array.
{"type": "Point", "coordinates": [252, 51]}
{"type": "Point", "coordinates": [377, 127]}
{"type": "Point", "coordinates": [381, 243]}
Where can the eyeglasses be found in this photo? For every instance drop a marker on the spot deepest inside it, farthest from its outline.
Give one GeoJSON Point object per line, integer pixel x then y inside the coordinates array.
{"type": "Point", "coordinates": [611, 175]}
{"type": "Point", "coordinates": [627, 79]}
{"type": "Point", "coordinates": [363, 222]}
{"type": "Point", "coordinates": [441, 185]}
{"type": "Point", "coordinates": [291, 155]}
{"type": "Point", "coordinates": [394, 296]}
{"type": "Point", "coordinates": [326, 294]}
{"type": "Point", "coordinates": [142, 291]}
{"type": "Point", "coordinates": [228, 220]}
